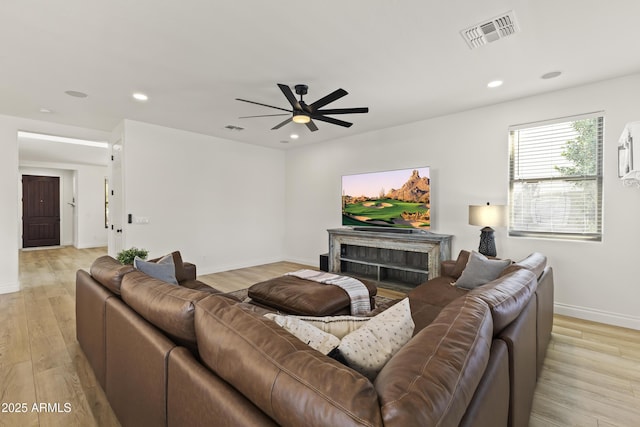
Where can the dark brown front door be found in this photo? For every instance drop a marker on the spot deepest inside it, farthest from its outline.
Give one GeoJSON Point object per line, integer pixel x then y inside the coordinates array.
{"type": "Point", "coordinates": [40, 211]}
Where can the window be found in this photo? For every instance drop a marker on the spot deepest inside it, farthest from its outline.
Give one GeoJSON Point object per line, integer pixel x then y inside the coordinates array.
{"type": "Point", "coordinates": [555, 178]}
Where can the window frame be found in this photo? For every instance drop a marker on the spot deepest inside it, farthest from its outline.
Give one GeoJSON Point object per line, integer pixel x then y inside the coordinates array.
{"type": "Point", "coordinates": [597, 179]}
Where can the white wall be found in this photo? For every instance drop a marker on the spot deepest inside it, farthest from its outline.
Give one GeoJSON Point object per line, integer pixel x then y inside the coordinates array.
{"type": "Point", "coordinates": [8, 211]}
{"type": "Point", "coordinates": [91, 231]}
{"type": "Point", "coordinates": [9, 177]}
{"type": "Point", "coordinates": [221, 203]}
{"type": "Point", "coordinates": [468, 156]}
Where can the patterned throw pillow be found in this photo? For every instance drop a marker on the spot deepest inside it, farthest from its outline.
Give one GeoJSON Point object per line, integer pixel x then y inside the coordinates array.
{"type": "Point", "coordinates": [370, 347]}
{"type": "Point", "coordinates": [307, 333]}
{"type": "Point", "coordinates": [367, 343]}
{"type": "Point", "coordinates": [335, 325]}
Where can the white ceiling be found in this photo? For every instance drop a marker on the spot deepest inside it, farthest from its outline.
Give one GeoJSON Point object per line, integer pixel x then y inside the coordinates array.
{"type": "Point", "coordinates": [405, 60]}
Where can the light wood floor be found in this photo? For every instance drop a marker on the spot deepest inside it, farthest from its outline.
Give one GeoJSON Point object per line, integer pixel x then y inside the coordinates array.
{"type": "Point", "coordinates": [591, 375]}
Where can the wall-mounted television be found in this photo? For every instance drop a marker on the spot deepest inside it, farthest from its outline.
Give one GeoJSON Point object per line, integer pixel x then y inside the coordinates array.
{"type": "Point", "coordinates": [393, 199]}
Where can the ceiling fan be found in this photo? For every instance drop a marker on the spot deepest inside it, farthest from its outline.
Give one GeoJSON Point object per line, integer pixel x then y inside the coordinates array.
{"type": "Point", "coordinates": [304, 113]}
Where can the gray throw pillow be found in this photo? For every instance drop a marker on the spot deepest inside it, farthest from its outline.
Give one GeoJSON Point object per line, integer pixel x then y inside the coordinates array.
{"type": "Point", "coordinates": [163, 270]}
{"type": "Point", "coordinates": [481, 270]}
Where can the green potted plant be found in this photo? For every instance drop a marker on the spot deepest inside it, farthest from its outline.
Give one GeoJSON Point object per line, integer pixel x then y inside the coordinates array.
{"type": "Point", "coordinates": [126, 256]}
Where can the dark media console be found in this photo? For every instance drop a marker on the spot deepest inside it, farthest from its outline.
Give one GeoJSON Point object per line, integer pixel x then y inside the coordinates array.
{"type": "Point", "coordinates": [406, 257]}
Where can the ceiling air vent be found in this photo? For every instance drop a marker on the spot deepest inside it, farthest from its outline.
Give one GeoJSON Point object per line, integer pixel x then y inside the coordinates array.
{"type": "Point", "coordinates": [492, 30]}
{"type": "Point", "coordinates": [233, 127]}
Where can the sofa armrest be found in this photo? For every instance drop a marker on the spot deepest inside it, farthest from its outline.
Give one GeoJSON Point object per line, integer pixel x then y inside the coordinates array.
{"type": "Point", "coordinates": [447, 268]}
{"type": "Point", "coordinates": [544, 298]}
{"type": "Point", "coordinates": [189, 270]}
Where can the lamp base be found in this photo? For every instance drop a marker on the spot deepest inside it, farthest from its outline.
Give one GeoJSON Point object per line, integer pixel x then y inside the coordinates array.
{"type": "Point", "coordinates": [487, 242]}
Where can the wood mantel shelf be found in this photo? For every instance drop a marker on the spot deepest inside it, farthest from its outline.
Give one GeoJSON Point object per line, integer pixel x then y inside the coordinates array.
{"type": "Point", "coordinates": [406, 257]}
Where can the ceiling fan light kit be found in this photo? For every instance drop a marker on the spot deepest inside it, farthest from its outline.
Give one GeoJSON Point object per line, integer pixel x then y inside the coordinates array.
{"type": "Point", "coordinates": [299, 117]}
{"type": "Point", "coordinates": [304, 113]}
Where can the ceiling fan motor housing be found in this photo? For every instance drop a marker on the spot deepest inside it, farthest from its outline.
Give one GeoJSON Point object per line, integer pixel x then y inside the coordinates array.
{"type": "Point", "coordinates": [301, 89]}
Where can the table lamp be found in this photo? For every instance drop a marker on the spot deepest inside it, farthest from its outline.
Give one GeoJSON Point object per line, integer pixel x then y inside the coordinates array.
{"type": "Point", "coordinates": [487, 216]}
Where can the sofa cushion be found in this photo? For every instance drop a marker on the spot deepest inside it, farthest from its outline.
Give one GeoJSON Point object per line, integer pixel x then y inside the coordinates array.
{"type": "Point", "coordinates": [536, 262]}
{"type": "Point", "coordinates": [480, 270]}
{"type": "Point", "coordinates": [287, 379]}
{"type": "Point", "coordinates": [163, 269]}
{"type": "Point", "coordinates": [168, 307]}
{"type": "Point", "coordinates": [429, 298]}
{"type": "Point", "coordinates": [109, 272]}
{"type": "Point", "coordinates": [507, 296]}
{"type": "Point", "coordinates": [432, 379]}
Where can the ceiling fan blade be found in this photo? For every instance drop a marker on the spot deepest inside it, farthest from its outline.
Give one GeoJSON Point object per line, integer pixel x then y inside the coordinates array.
{"type": "Point", "coordinates": [263, 115]}
{"type": "Point", "coordinates": [264, 105]}
{"type": "Point", "coordinates": [343, 111]}
{"type": "Point", "coordinates": [286, 90]}
{"type": "Point", "coordinates": [312, 126]}
{"type": "Point", "coordinates": [279, 125]}
{"type": "Point", "coordinates": [333, 96]}
{"type": "Point", "coordinates": [332, 121]}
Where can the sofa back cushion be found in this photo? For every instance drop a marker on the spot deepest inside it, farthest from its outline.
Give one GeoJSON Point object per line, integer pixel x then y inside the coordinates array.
{"type": "Point", "coordinates": [109, 272]}
{"type": "Point", "coordinates": [536, 262]}
{"type": "Point", "coordinates": [507, 296]}
{"type": "Point", "coordinates": [460, 264]}
{"type": "Point", "coordinates": [432, 379]}
{"type": "Point", "coordinates": [288, 380]}
{"type": "Point", "coordinates": [169, 307]}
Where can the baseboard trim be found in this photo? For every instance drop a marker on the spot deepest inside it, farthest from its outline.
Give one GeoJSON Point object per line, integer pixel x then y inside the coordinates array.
{"type": "Point", "coordinates": [9, 288]}
{"type": "Point", "coordinates": [600, 316]}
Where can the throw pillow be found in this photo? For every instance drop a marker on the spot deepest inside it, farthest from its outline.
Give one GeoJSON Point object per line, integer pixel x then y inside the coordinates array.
{"type": "Point", "coordinates": [338, 326]}
{"type": "Point", "coordinates": [480, 270]}
{"type": "Point", "coordinates": [164, 269]}
{"type": "Point", "coordinates": [370, 347]}
{"type": "Point", "coordinates": [315, 338]}
{"type": "Point", "coordinates": [367, 348]}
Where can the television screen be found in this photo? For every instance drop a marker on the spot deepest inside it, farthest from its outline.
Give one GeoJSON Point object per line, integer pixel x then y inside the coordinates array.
{"type": "Point", "coordinates": [398, 198]}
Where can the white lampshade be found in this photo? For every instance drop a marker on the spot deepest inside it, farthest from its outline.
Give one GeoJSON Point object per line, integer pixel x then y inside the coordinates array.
{"type": "Point", "coordinates": [488, 215]}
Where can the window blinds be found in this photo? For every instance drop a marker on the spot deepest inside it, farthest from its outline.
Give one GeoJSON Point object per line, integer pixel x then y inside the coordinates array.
{"type": "Point", "coordinates": [555, 178]}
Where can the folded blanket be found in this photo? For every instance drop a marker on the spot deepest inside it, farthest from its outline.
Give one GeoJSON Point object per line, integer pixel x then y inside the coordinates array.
{"type": "Point", "coordinates": [357, 291]}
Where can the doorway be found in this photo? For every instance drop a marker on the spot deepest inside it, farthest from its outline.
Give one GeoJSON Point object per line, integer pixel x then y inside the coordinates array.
{"type": "Point", "coordinates": [40, 211]}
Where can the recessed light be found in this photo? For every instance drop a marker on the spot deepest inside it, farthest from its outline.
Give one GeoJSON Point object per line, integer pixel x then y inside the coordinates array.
{"type": "Point", "coordinates": [76, 94]}
{"type": "Point", "coordinates": [45, 110]}
{"type": "Point", "coordinates": [495, 83]}
{"type": "Point", "coordinates": [139, 96]}
{"type": "Point", "coordinates": [551, 75]}
{"type": "Point", "coordinates": [294, 136]}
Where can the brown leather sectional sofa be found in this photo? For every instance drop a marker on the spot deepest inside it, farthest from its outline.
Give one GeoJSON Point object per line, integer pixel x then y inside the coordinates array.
{"type": "Point", "coordinates": [187, 355]}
